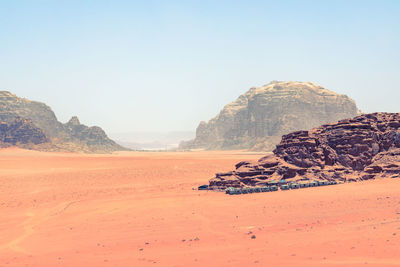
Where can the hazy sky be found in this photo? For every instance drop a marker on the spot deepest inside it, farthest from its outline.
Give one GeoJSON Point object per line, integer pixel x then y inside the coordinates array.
{"type": "Point", "coordinates": [165, 65]}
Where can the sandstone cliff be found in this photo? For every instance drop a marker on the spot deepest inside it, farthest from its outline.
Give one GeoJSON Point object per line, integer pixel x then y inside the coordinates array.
{"type": "Point", "coordinates": [364, 147]}
{"type": "Point", "coordinates": [71, 136]}
{"type": "Point", "coordinates": [258, 118]}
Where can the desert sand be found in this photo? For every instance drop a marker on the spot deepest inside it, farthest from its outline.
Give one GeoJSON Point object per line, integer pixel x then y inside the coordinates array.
{"type": "Point", "coordinates": [139, 209]}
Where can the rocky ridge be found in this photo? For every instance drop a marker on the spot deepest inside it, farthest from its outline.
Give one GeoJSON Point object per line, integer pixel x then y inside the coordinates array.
{"type": "Point", "coordinates": [361, 148]}
{"type": "Point", "coordinates": [258, 118]}
{"type": "Point", "coordinates": [71, 136]}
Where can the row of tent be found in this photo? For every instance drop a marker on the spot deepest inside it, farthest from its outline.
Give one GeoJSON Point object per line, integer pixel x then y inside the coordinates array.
{"type": "Point", "coordinates": [271, 188]}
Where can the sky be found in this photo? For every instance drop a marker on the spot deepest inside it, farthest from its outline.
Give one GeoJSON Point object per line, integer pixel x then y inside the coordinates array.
{"type": "Point", "coordinates": [140, 66]}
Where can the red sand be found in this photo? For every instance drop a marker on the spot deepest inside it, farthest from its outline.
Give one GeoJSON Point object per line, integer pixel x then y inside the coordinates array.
{"type": "Point", "coordinates": [139, 209]}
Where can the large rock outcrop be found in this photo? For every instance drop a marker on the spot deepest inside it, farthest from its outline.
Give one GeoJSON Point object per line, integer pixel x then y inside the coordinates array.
{"type": "Point", "coordinates": [71, 136]}
{"type": "Point", "coordinates": [364, 147]}
{"type": "Point", "coordinates": [90, 138]}
{"type": "Point", "coordinates": [258, 118]}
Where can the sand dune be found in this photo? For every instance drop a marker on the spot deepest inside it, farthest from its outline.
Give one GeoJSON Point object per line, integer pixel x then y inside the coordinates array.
{"type": "Point", "coordinates": [139, 209]}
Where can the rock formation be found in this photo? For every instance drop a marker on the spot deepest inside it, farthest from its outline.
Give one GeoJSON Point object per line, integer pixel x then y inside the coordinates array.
{"type": "Point", "coordinates": [90, 138]}
{"type": "Point", "coordinates": [364, 147]}
{"type": "Point", "coordinates": [21, 132]}
{"type": "Point", "coordinates": [258, 118]}
{"type": "Point", "coordinates": [71, 136]}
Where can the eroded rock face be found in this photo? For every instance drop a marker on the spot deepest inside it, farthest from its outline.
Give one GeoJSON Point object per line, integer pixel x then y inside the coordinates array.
{"type": "Point", "coordinates": [71, 136]}
{"type": "Point", "coordinates": [21, 132]}
{"type": "Point", "coordinates": [364, 147]}
{"type": "Point", "coordinates": [13, 107]}
{"type": "Point", "coordinates": [258, 118]}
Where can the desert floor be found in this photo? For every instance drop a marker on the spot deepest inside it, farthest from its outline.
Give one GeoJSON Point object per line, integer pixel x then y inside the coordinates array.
{"type": "Point", "coordinates": [139, 209]}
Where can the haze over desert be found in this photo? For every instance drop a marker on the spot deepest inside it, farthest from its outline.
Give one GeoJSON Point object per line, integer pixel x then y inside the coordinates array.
{"type": "Point", "coordinates": [139, 209]}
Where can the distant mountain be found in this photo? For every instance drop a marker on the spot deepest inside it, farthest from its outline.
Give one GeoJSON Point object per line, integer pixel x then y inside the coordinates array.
{"type": "Point", "coordinates": [152, 140]}
{"type": "Point", "coordinates": [258, 118]}
{"type": "Point", "coordinates": [71, 136]}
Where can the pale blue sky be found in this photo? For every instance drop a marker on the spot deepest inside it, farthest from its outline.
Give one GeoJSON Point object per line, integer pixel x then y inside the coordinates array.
{"type": "Point", "coordinates": [165, 65]}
